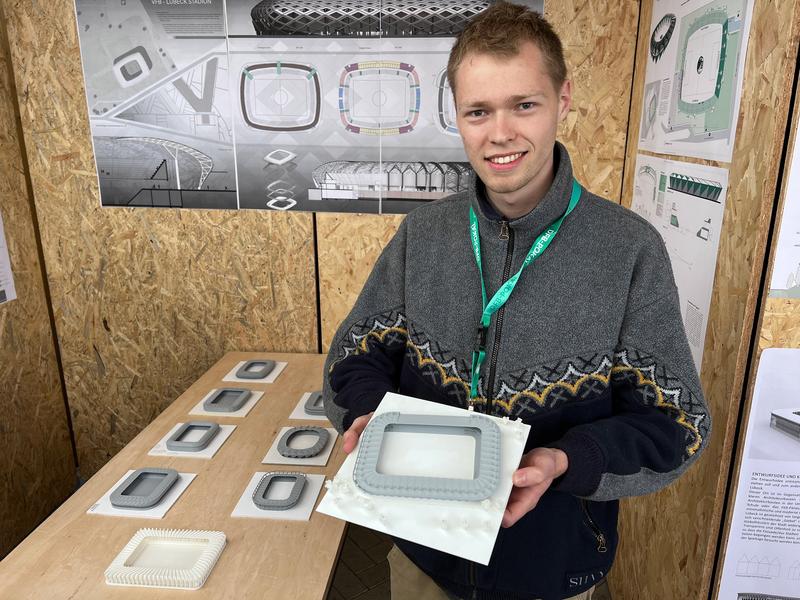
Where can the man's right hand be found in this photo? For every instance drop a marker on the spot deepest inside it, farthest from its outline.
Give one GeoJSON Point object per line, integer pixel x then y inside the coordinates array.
{"type": "Point", "coordinates": [350, 438]}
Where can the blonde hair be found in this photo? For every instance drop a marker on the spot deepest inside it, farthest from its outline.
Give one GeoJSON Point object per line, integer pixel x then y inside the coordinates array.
{"type": "Point", "coordinates": [500, 30]}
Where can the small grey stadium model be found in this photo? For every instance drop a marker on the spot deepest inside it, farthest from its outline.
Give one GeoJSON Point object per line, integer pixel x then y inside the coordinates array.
{"type": "Point", "coordinates": [314, 405]}
{"type": "Point", "coordinates": [261, 492]}
{"type": "Point", "coordinates": [144, 488]}
{"type": "Point", "coordinates": [487, 458]}
{"type": "Point", "coordinates": [255, 369]}
{"type": "Point", "coordinates": [226, 400]}
{"type": "Point", "coordinates": [786, 420]}
{"type": "Point", "coordinates": [323, 435]}
{"type": "Point", "coordinates": [176, 444]}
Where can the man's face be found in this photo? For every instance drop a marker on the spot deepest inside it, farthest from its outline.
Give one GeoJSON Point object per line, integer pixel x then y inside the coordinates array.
{"type": "Point", "coordinates": [508, 110]}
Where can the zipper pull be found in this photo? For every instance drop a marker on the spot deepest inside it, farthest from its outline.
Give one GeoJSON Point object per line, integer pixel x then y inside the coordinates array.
{"type": "Point", "coordinates": [601, 543]}
{"type": "Point", "coordinates": [504, 230]}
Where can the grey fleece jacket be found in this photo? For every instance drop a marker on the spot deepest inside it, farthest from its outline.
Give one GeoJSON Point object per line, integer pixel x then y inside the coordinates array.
{"type": "Point", "coordinates": [589, 350]}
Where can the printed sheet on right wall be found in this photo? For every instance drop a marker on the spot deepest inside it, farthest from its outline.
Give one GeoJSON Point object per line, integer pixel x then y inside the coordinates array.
{"type": "Point", "coordinates": [693, 81]}
{"type": "Point", "coordinates": [685, 203]}
{"type": "Point", "coordinates": [785, 281]}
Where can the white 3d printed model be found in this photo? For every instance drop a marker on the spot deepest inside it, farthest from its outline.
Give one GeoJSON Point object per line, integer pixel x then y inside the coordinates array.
{"type": "Point", "coordinates": [167, 558]}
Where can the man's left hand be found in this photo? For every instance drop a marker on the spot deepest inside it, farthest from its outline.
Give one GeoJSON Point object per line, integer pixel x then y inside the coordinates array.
{"type": "Point", "coordinates": [537, 470]}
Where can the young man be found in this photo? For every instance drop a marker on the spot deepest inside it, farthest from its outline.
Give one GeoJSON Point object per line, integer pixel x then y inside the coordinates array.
{"type": "Point", "coordinates": [587, 346]}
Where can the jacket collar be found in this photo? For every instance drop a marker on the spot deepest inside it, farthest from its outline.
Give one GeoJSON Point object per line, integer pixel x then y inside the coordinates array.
{"type": "Point", "coordinates": [552, 205]}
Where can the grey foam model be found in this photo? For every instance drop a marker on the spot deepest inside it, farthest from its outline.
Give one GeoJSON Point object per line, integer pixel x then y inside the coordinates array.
{"type": "Point", "coordinates": [255, 369]}
{"type": "Point", "coordinates": [226, 400]}
{"type": "Point", "coordinates": [175, 443]}
{"type": "Point", "coordinates": [260, 493]}
{"type": "Point", "coordinates": [314, 405]}
{"type": "Point", "coordinates": [143, 488]}
{"type": "Point", "coordinates": [323, 435]}
{"type": "Point", "coordinates": [487, 458]}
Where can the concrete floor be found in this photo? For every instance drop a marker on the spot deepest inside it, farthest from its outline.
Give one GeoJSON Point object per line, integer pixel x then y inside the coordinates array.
{"type": "Point", "coordinates": [362, 572]}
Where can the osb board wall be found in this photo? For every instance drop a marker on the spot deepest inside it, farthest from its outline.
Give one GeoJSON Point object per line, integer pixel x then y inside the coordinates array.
{"type": "Point", "coordinates": [778, 326]}
{"type": "Point", "coordinates": [675, 557]}
{"type": "Point", "coordinates": [600, 61]}
{"type": "Point", "coordinates": [37, 471]}
{"type": "Point", "coordinates": [145, 300]}
{"type": "Point", "coordinates": [599, 40]}
{"type": "Point", "coordinates": [348, 246]}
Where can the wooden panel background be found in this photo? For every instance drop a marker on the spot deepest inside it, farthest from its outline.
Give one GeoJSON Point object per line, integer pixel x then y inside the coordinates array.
{"type": "Point", "coordinates": [145, 300]}
{"type": "Point", "coordinates": [669, 539]}
{"type": "Point", "coordinates": [348, 247]}
{"type": "Point", "coordinates": [778, 326]}
{"type": "Point", "coordinates": [37, 471]}
{"type": "Point", "coordinates": [600, 61]}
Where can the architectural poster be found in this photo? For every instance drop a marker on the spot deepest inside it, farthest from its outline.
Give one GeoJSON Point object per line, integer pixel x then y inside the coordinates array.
{"type": "Point", "coordinates": [318, 105]}
{"type": "Point", "coordinates": [693, 81]}
{"type": "Point", "coordinates": [762, 558]}
{"type": "Point", "coordinates": [156, 75]}
{"type": "Point", "coordinates": [685, 203]}
{"type": "Point", "coordinates": [7, 290]}
{"type": "Point", "coordinates": [786, 268]}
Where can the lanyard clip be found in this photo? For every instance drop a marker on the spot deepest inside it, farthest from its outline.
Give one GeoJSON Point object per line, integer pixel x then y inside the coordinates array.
{"type": "Point", "coordinates": [480, 338]}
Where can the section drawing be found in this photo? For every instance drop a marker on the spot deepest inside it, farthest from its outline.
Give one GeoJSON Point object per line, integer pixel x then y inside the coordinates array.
{"type": "Point", "coordinates": [322, 440]}
{"type": "Point", "coordinates": [428, 180]}
{"type": "Point", "coordinates": [255, 369]}
{"type": "Point", "coordinates": [185, 438]}
{"type": "Point", "coordinates": [379, 97]}
{"type": "Point", "coordinates": [314, 405]}
{"type": "Point", "coordinates": [487, 458]}
{"type": "Point", "coordinates": [276, 96]}
{"type": "Point", "coordinates": [364, 18]}
{"type": "Point", "coordinates": [261, 493]}
{"type": "Point", "coordinates": [167, 558]}
{"type": "Point", "coordinates": [226, 400]}
{"type": "Point", "coordinates": [143, 488]}
{"type": "Point", "coordinates": [694, 186]}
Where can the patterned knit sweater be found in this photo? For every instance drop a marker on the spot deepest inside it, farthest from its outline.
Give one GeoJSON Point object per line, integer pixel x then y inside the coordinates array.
{"type": "Point", "coordinates": [589, 350]}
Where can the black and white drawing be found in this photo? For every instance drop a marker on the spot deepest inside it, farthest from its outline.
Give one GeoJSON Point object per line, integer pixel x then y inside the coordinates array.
{"type": "Point", "coordinates": [160, 112]}
{"type": "Point", "coordinates": [320, 105]}
{"type": "Point", "coordinates": [352, 111]}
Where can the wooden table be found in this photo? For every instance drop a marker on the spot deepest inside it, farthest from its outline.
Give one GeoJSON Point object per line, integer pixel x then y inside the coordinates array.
{"type": "Point", "coordinates": [65, 557]}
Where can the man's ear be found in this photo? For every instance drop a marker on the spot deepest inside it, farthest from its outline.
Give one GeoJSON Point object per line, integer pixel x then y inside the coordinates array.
{"type": "Point", "coordinates": [564, 99]}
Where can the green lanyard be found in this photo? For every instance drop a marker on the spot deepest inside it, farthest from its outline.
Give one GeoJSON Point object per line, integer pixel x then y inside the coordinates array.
{"type": "Point", "coordinates": [504, 293]}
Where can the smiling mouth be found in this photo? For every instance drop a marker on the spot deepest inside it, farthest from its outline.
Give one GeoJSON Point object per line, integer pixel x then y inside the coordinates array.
{"type": "Point", "coordinates": [505, 159]}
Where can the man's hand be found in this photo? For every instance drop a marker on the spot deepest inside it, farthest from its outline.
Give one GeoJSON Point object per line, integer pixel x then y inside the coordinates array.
{"type": "Point", "coordinates": [350, 438]}
{"type": "Point", "coordinates": [537, 470]}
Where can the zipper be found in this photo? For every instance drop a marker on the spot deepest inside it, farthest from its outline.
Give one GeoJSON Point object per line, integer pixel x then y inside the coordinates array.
{"type": "Point", "coordinates": [506, 233]}
{"type": "Point", "coordinates": [601, 539]}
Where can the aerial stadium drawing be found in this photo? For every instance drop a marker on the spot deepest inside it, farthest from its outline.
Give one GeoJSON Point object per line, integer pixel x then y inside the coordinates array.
{"type": "Point", "coordinates": [705, 73]}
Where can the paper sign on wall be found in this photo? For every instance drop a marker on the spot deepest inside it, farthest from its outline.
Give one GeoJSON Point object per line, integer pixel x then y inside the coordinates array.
{"type": "Point", "coordinates": [693, 81]}
{"type": "Point", "coordinates": [7, 290]}
{"type": "Point", "coordinates": [685, 203]}
{"type": "Point", "coordinates": [762, 558]}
